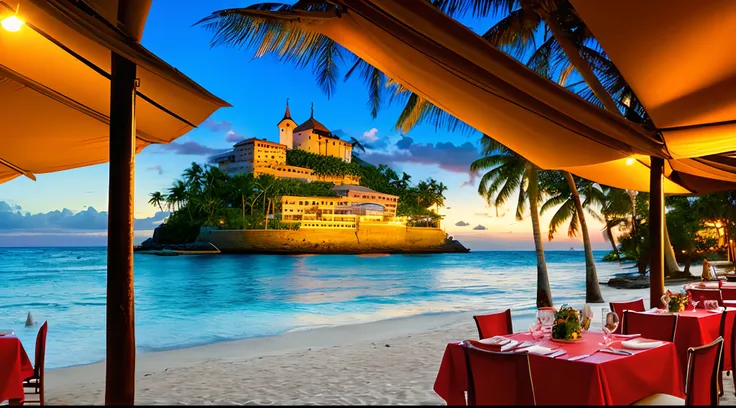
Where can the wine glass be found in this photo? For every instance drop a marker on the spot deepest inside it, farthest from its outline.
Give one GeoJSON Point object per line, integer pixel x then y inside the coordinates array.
{"type": "Point", "coordinates": [610, 326]}
{"type": "Point", "coordinates": [694, 303]}
{"type": "Point", "coordinates": [536, 330]}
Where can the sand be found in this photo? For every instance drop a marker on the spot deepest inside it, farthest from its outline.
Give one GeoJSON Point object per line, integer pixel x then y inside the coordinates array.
{"type": "Point", "coordinates": [392, 361]}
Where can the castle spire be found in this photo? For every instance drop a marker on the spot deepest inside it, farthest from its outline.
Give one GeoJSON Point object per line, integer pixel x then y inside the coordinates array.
{"type": "Point", "coordinates": [287, 114]}
{"type": "Point", "coordinates": [312, 116]}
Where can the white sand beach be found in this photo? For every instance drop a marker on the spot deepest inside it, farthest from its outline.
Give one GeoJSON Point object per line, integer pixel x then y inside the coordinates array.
{"type": "Point", "coordinates": [392, 361]}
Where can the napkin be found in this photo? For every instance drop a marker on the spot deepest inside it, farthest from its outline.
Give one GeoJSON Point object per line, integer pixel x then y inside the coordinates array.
{"type": "Point", "coordinates": [540, 350]}
{"type": "Point", "coordinates": [641, 344]}
{"type": "Point", "coordinates": [498, 343]}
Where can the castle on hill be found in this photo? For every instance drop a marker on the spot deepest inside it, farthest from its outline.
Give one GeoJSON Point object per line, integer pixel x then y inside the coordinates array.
{"type": "Point", "coordinates": [263, 157]}
{"type": "Point", "coordinates": [353, 204]}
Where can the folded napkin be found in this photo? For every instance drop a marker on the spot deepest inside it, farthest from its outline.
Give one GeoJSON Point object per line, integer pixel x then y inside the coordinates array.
{"type": "Point", "coordinates": [499, 343]}
{"type": "Point", "coordinates": [540, 350]}
{"type": "Point", "coordinates": [641, 344]}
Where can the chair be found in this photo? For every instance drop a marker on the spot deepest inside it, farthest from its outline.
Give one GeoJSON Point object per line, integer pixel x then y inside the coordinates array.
{"type": "Point", "coordinates": [728, 293]}
{"type": "Point", "coordinates": [701, 385]}
{"type": "Point", "coordinates": [706, 294]}
{"type": "Point", "coordinates": [509, 374]}
{"type": "Point", "coordinates": [36, 382]}
{"type": "Point", "coordinates": [494, 324]}
{"type": "Point", "coordinates": [650, 325]}
{"type": "Point", "coordinates": [728, 317]}
{"type": "Point", "coordinates": [619, 308]}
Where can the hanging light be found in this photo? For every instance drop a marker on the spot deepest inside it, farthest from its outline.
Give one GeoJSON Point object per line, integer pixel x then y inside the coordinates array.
{"type": "Point", "coordinates": [630, 161]}
{"type": "Point", "coordinates": [12, 23]}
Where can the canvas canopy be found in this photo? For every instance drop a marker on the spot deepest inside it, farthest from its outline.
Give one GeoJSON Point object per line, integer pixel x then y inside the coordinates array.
{"type": "Point", "coordinates": [680, 59]}
{"type": "Point", "coordinates": [447, 64]}
{"type": "Point", "coordinates": [55, 86]}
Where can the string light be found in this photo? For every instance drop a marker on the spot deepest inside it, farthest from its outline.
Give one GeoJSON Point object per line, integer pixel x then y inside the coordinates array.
{"type": "Point", "coordinates": [630, 161]}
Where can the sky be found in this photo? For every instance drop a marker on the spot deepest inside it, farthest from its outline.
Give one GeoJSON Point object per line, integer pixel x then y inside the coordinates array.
{"type": "Point", "coordinates": [69, 208]}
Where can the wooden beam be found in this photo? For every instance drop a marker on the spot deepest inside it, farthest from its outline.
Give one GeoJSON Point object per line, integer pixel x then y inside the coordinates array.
{"type": "Point", "coordinates": [120, 365]}
{"type": "Point", "coordinates": [656, 231]}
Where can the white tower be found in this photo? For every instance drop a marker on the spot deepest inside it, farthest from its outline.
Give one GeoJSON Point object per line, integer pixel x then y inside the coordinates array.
{"type": "Point", "coordinates": [286, 128]}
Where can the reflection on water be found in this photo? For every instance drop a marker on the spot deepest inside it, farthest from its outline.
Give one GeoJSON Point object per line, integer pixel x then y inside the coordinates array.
{"type": "Point", "coordinates": [188, 300]}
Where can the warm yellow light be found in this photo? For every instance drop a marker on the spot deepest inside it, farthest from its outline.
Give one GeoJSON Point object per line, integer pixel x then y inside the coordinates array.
{"type": "Point", "coordinates": [12, 23]}
{"type": "Point", "coordinates": [630, 161]}
{"type": "Point", "coordinates": [718, 224]}
{"type": "Point", "coordinates": [684, 252]}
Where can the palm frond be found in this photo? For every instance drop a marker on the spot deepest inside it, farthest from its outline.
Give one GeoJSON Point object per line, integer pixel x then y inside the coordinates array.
{"type": "Point", "coordinates": [515, 33]}
{"type": "Point", "coordinates": [563, 213]}
{"type": "Point", "coordinates": [553, 202]}
{"type": "Point", "coordinates": [374, 79]}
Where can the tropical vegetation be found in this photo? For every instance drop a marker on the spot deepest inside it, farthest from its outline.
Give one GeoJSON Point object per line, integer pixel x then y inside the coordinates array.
{"type": "Point", "coordinates": [207, 197]}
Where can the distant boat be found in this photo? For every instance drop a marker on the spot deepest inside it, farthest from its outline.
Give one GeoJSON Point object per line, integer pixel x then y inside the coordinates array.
{"type": "Point", "coordinates": [572, 249]}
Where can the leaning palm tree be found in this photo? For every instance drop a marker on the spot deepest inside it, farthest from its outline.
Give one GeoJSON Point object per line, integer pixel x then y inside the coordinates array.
{"type": "Point", "coordinates": [564, 196]}
{"type": "Point", "coordinates": [156, 199]}
{"type": "Point", "coordinates": [616, 212]}
{"type": "Point", "coordinates": [506, 173]}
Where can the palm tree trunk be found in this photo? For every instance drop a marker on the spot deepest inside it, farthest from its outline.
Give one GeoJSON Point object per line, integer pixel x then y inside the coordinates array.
{"type": "Point", "coordinates": [544, 293]}
{"type": "Point", "coordinates": [582, 66]}
{"type": "Point", "coordinates": [670, 262]}
{"type": "Point", "coordinates": [592, 288]}
{"type": "Point", "coordinates": [242, 199]}
{"type": "Point", "coordinates": [609, 233]}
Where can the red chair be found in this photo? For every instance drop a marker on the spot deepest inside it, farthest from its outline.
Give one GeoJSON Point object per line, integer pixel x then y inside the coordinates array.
{"type": "Point", "coordinates": [619, 308]}
{"type": "Point", "coordinates": [726, 331]}
{"type": "Point", "coordinates": [650, 325]}
{"type": "Point", "coordinates": [728, 293]}
{"type": "Point", "coordinates": [494, 324]}
{"type": "Point", "coordinates": [509, 374]}
{"type": "Point", "coordinates": [36, 382]}
{"type": "Point", "coordinates": [706, 294]}
{"type": "Point", "coordinates": [701, 385]}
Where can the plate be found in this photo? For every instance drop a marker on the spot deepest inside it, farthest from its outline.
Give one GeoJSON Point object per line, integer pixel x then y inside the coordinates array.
{"type": "Point", "coordinates": [640, 344]}
{"type": "Point", "coordinates": [579, 339]}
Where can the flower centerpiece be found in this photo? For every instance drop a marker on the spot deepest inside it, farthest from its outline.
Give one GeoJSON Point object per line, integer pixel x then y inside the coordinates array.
{"type": "Point", "coordinates": [567, 324]}
{"type": "Point", "coordinates": [675, 302]}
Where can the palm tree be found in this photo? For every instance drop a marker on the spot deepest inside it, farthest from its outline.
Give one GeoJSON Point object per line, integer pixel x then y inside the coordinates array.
{"type": "Point", "coordinates": [616, 211]}
{"type": "Point", "coordinates": [507, 173]}
{"type": "Point", "coordinates": [177, 194]}
{"type": "Point", "coordinates": [564, 191]}
{"type": "Point", "coordinates": [156, 199]}
{"type": "Point", "coordinates": [193, 177]}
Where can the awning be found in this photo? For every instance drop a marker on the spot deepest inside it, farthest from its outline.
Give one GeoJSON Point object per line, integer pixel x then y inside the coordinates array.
{"type": "Point", "coordinates": [447, 64]}
{"type": "Point", "coordinates": [679, 57]}
{"type": "Point", "coordinates": [55, 88]}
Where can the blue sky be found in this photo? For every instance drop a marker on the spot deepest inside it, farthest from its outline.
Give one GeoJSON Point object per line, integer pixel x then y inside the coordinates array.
{"type": "Point", "coordinates": [257, 89]}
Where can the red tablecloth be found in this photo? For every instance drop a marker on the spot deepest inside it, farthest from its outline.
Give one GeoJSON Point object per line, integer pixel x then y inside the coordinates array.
{"type": "Point", "coordinates": [14, 368]}
{"type": "Point", "coordinates": [695, 329]}
{"type": "Point", "coordinates": [601, 379]}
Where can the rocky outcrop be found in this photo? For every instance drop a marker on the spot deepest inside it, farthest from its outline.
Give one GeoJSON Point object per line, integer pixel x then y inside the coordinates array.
{"type": "Point", "coordinates": [376, 238]}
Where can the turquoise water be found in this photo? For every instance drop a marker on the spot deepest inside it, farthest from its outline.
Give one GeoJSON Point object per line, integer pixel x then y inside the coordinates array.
{"type": "Point", "coordinates": [191, 300]}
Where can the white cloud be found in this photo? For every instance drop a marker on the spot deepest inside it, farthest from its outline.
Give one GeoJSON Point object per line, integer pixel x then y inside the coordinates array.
{"type": "Point", "coordinates": [371, 136]}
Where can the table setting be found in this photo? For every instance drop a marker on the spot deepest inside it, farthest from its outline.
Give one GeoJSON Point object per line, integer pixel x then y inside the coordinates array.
{"type": "Point", "coordinates": [562, 348]}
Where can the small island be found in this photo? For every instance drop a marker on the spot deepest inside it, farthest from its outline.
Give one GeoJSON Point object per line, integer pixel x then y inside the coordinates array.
{"type": "Point", "coordinates": [308, 194]}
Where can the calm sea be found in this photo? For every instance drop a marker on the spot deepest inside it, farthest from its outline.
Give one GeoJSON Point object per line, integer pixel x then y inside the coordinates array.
{"type": "Point", "coordinates": [190, 300]}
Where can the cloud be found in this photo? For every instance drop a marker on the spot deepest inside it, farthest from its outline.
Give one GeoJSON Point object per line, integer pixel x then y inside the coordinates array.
{"type": "Point", "coordinates": [216, 126]}
{"type": "Point", "coordinates": [233, 137]}
{"type": "Point", "coordinates": [370, 136]}
{"type": "Point", "coordinates": [461, 224]}
{"type": "Point", "coordinates": [157, 168]}
{"type": "Point", "coordinates": [63, 220]}
{"type": "Point", "coordinates": [479, 228]}
{"type": "Point", "coordinates": [190, 148]}
{"type": "Point", "coordinates": [445, 155]}
{"type": "Point", "coordinates": [224, 126]}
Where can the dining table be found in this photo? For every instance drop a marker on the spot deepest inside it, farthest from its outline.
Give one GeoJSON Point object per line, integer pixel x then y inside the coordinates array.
{"type": "Point", "coordinates": [15, 366]}
{"type": "Point", "coordinates": [694, 328]}
{"type": "Point", "coordinates": [598, 379]}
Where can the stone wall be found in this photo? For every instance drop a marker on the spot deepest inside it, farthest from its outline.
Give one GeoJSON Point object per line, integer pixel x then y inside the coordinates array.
{"type": "Point", "coordinates": [368, 238]}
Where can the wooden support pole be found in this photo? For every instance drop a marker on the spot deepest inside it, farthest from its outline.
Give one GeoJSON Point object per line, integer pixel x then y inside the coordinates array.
{"type": "Point", "coordinates": [656, 231]}
{"type": "Point", "coordinates": [120, 358]}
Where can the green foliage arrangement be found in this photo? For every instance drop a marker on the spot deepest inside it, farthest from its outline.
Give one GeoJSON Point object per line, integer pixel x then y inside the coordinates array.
{"type": "Point", "coordinates": [567, 324]}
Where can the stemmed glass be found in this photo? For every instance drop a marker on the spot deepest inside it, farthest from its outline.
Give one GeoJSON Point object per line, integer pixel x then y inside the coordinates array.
{"type": "Point", "coordinates": [536, 330]}
{"type": "Point", "coordinates": [694, 303]}
{"type": "Point", "coordinates": [608, 328]}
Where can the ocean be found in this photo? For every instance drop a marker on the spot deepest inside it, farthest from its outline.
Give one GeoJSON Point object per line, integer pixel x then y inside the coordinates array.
{"type": "Point", "coordinates": [185, 301]}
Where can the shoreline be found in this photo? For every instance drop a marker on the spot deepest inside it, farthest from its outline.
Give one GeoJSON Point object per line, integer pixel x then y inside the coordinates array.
{"type": "Point", "coordinates": [343, 364]}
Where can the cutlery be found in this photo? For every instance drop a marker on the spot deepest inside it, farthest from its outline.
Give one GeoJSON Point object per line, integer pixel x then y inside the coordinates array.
{"type": "Point", "coordinates": [557, 353]}
{"type": "Point", "coordinates": [617, 351]}
{"type": "Point", "coordinates": [580, 357]}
